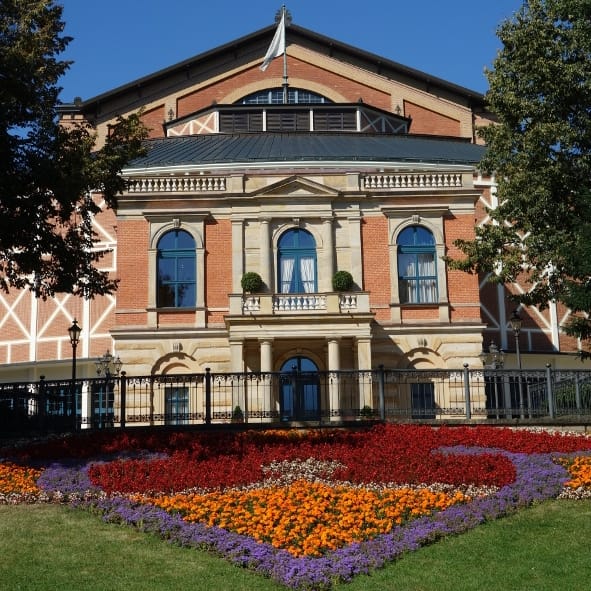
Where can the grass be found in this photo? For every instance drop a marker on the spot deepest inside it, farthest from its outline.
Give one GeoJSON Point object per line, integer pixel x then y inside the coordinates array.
{"type": "Point", "coordinates": [46, 547]}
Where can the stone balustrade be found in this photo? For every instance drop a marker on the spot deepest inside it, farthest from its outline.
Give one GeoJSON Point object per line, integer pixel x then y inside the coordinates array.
{"type": "Point", "coordinates": [302, 303]}
{"type": "Point", "coordinates": [411, 180]}
{"type": "Point", "coordinates": [177, 184]}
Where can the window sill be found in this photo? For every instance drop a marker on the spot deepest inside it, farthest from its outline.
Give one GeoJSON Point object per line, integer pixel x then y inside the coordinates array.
{"type": "Point", "coordinates": [421, 305]}
{"type": "Point", "coordinates": [172, 310]}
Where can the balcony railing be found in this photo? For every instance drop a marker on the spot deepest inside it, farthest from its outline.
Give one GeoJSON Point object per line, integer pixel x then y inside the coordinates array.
{"type": "Point", "coordinates": [413, 180]}
{"type": "Point", "coordinates": [320, 398]}
{"type": "Point", "coordinates": [177, 184]}
{"type": "Point", "coordinates": [299, 303]}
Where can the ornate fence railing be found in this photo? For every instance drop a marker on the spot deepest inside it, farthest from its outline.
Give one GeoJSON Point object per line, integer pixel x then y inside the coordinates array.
{"type": "Point", "coordinates": [293, 398]}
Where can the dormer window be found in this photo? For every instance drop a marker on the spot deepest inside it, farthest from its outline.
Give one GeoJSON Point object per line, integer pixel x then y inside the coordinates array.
{"type": "Point", "coordinates": [306, 112]}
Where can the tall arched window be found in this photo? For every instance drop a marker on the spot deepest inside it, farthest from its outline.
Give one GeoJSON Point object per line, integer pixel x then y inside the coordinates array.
{"type": "Point", "coordinates": [417, 269]}
{"type": "Point", "coordinates": [176, 270]}
{"type": "Point", "coordinates": [297, 262]}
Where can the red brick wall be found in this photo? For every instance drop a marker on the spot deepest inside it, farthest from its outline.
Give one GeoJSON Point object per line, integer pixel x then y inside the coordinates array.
{"type": "Point", "coordinates": [45, 350]}
{"type": "Point", "coordinates": [430, 122]}
{"type": "Point", "coordinates": [183, 317]}
{"type": "Point", "coordinates": [153, 120]}
{"type": "Point", "coordinates": [218, 265]}
{"type": "Point", "coordinates": [133, 247]}
{"type": "Point", "coordinates": [412, 314]}
{"type": "Point", "coordinates": [376, 267]}
{"type": "Point", "coordinates": [350, 89]}
{"type": "Point", "coordinates": [21, 352]}
{"type": "Point", "coordinates": [462, 288]}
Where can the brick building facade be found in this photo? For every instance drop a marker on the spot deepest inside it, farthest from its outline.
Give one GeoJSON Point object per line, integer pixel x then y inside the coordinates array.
{"type": "Point", "coordinates": [370, 168]}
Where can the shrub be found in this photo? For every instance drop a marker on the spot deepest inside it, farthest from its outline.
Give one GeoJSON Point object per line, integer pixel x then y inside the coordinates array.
{"type": "Point", "coordinates": [237, 415]}
{"type": "Point", "coordinates": [342, 281]}
{"type": "Point", "coordinates": [251, 281]}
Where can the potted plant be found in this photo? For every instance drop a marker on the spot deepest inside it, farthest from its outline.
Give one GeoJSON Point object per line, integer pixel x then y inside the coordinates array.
{"type": "Point", "coordinates": [251, 282]}
{"type": "Point", "coordinates": [342, 281]}
{"type": "Point", "coordinates": [366, 412]}
{"type": "Point", "coordinates": [237, 415]}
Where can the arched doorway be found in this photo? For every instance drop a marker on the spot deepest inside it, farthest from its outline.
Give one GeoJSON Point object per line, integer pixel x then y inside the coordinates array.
{"type": "Point", "coordinates": [299, 397]}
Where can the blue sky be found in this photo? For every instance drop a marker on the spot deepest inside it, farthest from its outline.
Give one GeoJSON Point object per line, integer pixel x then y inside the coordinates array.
{"type": "Point", "coordinates": [118, 41]}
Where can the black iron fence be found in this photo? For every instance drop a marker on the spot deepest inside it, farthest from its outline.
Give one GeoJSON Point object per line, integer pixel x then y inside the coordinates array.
{"type": "Point", "coordinates": [294, 397]}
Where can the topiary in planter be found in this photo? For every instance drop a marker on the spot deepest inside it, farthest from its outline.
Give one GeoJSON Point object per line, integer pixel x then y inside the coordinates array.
{"type": "Point", "coordinates": [251, 282]}
{"type": "Point", "coordinates": [342, 281]}
{"type": "Point", "coordinates": [237, 415]}
{"type": "Point", "coordinates": [366, 412]}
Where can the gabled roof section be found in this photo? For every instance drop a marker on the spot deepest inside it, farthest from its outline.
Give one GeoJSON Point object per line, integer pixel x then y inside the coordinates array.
{"type": "Point", "coordinates": [296, 186]}
{"type": "Point", "coordinates": [251, 47]}
{"type": "Point", "coordinates": [248, 150]}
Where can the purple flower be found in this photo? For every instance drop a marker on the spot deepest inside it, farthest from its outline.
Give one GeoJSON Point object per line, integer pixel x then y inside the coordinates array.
{"type": "Point", "coordinates": [65, 478]}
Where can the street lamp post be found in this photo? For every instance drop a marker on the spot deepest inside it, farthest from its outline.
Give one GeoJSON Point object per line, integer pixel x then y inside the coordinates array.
{"type": "Point", "coordinates": [108, 366]}
{"type": "Point", "coordinates": [516, 324]}
{"type": "Point", "coordinates": [74, 333]}
{"type": "Point", "coordinates": [496, 359]}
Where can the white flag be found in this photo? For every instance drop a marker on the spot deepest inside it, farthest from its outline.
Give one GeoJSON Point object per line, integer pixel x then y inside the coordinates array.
{"type": "Point", "coordinates": [277, 46]}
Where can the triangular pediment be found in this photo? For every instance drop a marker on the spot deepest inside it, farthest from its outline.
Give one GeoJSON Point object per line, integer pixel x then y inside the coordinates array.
{"type": "Point", "coordinates": [296, 186]}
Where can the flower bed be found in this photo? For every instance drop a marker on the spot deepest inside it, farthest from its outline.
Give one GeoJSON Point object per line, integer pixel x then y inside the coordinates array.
{"type": "Point", "coordinates": [18, 480]}
{"type": "Point", "coordinates": [308, 518]}
{"type": "Point", "coordinates": [308, 509]}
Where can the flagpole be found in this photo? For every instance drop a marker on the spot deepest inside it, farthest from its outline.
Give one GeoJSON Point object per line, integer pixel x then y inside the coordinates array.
{"type": "Point", "coordinates": [285, 83]}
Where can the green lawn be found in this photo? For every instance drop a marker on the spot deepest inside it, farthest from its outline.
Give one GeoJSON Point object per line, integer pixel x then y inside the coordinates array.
{"type": "Point", "coordinates": [51, 547]}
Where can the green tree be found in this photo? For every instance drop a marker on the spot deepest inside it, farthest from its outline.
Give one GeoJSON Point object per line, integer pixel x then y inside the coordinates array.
{"type": "Point", "coordinates": [540, 153]}
{"type": "Point", "coordinates": [47, 242]}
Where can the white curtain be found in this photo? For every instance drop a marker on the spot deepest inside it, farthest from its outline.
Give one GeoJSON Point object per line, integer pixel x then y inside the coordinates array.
{"type": "Point", "coordinates": [414, 288]}
{"type": "Point", "coordinates": [409, 271]}
{"type": "Point", "coordinates": [286, 274]}
{"type": "Point", "coordinates": [307, 274]}
{"type": "Point", "coordinates": [427, 287]}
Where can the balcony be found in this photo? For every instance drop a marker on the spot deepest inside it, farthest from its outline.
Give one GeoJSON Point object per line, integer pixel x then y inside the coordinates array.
{"type": "Point", "coordinates": [277, 304]}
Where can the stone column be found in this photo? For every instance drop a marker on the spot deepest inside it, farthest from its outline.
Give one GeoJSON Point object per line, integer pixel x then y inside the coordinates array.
{"type": "Point", "coordinates": [327, 268]}
{"type": "Point", "coordinates": [236, 394]}
{"type": "Point", "coordinates": [334, 365]}
{"type": "Point", "coordinates": [265, 398]}
{"type": "Point", "coordinates": [265, 254]}
{"type": "Point", "coordinates": [237, 254]}
{"type": "Point", "coordinates": [364, 367]}
{"type": "Point", "coordinates": [266, 355]}
{"type": "Point", "coordinates": [355, 250]}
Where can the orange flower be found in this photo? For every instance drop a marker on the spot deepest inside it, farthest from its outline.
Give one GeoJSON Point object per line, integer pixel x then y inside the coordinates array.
{"type": "Point", "coordinates": [18, 479]}
{"type": "Point", "coordinates": [308, 518]}
{"type": "Point", "coordinates": [580, 471]}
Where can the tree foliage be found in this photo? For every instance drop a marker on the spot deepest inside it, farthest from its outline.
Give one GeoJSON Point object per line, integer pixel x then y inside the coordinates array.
{"type": "Point", "coordinates": [47, 241]}
{"type": "Point", "coordinates": [540, 154]}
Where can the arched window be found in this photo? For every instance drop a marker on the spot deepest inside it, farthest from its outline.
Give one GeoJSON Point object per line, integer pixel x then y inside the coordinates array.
{"type": "Point", "coordinates": [274, 96]}
{"type": "Point", "coordinates": [297, 262]}
{"type": "Point", "coordinates": [417, 270]}
{"type": "Point", "coordinates": [176, 270]}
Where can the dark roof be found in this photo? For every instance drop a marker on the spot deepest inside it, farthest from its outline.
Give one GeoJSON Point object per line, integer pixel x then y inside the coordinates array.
{"type": "Point", "coordinates": [249, 47]}
{"type": "Point", "coordinates": [255, 148]}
